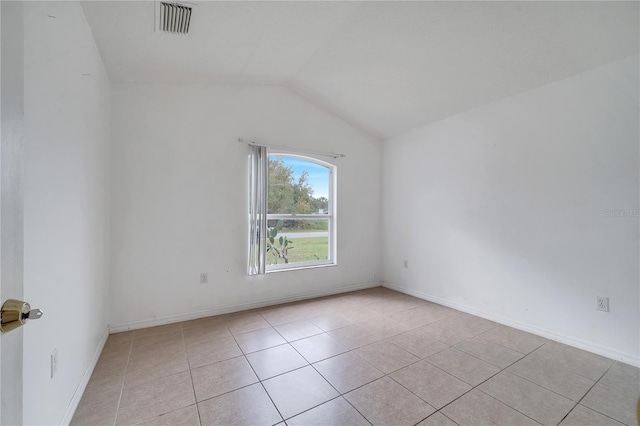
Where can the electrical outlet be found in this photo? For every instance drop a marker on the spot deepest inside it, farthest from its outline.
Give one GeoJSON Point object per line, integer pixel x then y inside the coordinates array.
{"type": "Point", "coordinates": [204, 278]}
{"type": "Point", "coordinates": [406, 264]}
{"type": "Point", "coordinates": [602, 303]}
{"type": "Point", "coordinates": [54, 362]}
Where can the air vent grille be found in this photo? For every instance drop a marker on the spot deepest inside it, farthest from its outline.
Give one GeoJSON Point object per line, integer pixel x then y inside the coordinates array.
{"type": "Point", "coordinates": [174, 18]}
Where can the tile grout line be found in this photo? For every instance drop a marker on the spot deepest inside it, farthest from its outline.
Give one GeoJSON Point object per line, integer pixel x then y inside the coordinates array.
{"type": "Point", "coordinates": [340, 395]}
{"type": "Point", "coordinates": [169, 375]}
{"type": "Point", "coordinates": [472, 386]}
{"type": "Point", "coordinates": [124, 379]}
{"type": "Point", "coordinates": [551, 390]}
{"type": "Point", "coordinates": [587, 393]}
{"type": "Point", "coordinates": [499, 344]}
{"type": "Point", "coordinates": [505, 369]}
{"type": "Point", "coordinates": [504, 403]}
{"type": "Point", "coordinates": [256, 374]}
{"type": "Point", "coordinates": [193, 386]}
{"type": "Point", "coordinates": [310, 365]}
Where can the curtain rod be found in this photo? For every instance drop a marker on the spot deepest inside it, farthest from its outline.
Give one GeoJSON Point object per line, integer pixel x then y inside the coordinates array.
{"type": "Point", "coordinates": [294, 150]}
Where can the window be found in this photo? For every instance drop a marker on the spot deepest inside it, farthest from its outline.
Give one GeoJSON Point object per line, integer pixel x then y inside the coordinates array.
{"type": "Point", "coordinates": [292, 212]}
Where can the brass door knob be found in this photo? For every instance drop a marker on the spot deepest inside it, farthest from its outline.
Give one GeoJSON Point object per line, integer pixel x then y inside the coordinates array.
{"type": "Point", "coordinates": [15, 313]}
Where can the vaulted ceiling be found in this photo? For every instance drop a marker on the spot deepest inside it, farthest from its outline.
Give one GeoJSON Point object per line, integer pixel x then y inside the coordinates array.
{"type": "Point", "coordinates": [386, 67]}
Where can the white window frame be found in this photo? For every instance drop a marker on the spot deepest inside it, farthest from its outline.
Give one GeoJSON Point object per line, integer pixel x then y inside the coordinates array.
{"type": "Point", "coordinates": [330, 216]}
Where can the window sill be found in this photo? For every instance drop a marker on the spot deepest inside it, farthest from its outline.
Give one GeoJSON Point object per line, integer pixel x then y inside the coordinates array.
{"type": "Point", "coordinates": [300, 267]}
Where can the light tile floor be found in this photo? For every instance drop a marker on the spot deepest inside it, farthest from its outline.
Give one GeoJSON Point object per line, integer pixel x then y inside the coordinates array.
{"type": "Point", "coordinates": [368, 357]}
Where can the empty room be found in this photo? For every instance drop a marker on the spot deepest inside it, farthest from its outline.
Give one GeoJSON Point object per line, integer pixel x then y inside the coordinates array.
{"type": "Point", "coordinates": [320, 213]}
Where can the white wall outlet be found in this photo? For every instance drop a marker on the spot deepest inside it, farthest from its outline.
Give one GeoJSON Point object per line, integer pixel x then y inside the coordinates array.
{"type": "Point", "coordinates": [204, 278]}
{"type": "Point", "coordinates": [602, 303]}
{"type": "Point", "coordinates": [54, 362]}
{"type": "Point", "coordinates": [406, 264]}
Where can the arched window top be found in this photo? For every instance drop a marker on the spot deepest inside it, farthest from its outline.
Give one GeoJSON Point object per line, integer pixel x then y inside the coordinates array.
{"type": "Point", "coordinates": [298, 185]}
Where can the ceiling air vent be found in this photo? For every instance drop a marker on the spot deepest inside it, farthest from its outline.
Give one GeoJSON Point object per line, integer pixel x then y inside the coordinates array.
{"type": "Point", "coordinates": [172, 17]}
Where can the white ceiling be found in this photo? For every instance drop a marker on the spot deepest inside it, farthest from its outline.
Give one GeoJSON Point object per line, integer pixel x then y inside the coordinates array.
{"type": "Point", "coordinates": [386, 67]}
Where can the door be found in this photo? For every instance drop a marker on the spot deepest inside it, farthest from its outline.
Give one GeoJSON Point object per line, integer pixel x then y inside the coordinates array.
{"type": "Point", "coordinates": [11, 202]}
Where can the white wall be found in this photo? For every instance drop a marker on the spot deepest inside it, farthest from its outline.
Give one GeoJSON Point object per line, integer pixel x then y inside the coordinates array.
{"type": "Point", "coordinates": [501, 211]}
{"type": "Point", "coordinates": [179, 199]}
{"type": "Point", "coordinates": [66, 205]}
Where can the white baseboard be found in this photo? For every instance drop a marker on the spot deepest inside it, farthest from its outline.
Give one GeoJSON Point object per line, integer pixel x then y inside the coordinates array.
{"type": "Point", "coordinates": [77, 396]}
{"type": "Point", "coordinates": [117, 328]}
{"type": "Point", "coordinates": [568, 340]}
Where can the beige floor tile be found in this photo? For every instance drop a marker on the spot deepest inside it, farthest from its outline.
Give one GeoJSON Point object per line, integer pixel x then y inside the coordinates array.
{"type": "Point", "coordinates": [156, 342]}
{"type": "Point", "coordinates": [244, 324]}
{"type": "Point", "coordinates": [317, 348]}
{"type": "Point", "coordinates": [195, 335]}
{"type": "Point", "coordinates": [415, 317]}
{"type": "Point", "coordinates": [328, 322]}
{"type": "Point", "coordinates": [517, 340]}
{"type": "Point", "coordinates": [247, 406]}
{"type": "Point", "coordinates": [360, 314]}
{"type": "Point", "coordinates": [153, 366]}
{"type": "Point", "coordinates": [390, 329]}
{"type": "Point", "coordinates": [419, 343]}
{"type": "Point", "coordinates": [437, 419]}
{"type": "Point", "coordinates": [118, 343]}
{"type": "Point", "coordinates": [274, 361]}
{"type": "Point", "coordinates": [576, 360]}
{"type": "Point", "coordinates": [389, 307]}
{"type": "Point", "coordinates": [476, 408]}
{"type": "Point", "coordinates": [446, 333]}
{"type": "Point", "coordinates": [258, 340]}
{"type": "Point", "coordinates": [624, 377]}
{"type": "Point", "coordinates": [298, 330]}
{"type": "Point", "coordinates": [283, 314]}
{"type": "Point", "coordinates": [114, 360]}
{"type": "Point", "coordinates": [490, 352]}
{"type": "Point", "coordinates": [166, 350]}
{"type": "Point", "coordinates": [548, 375]}
{"type": "Point", "coordinates": [120, 338]}
{"type": "Point", "coordinates": [613, 402]}
{"type": "Point", "coordinates": [542, 405]}
{"type": "Point", "coordinates": [439, 311]}
{"type": "Point", "coordinates": [475, 323]}
{"type": "Point", "coordinates": [385, 402]}
{"type": "Point", "coordinates": [298, 391]}
{"type": "Point", "coordinates": [203, 322]}
{"type": "Point", "coordinates": [472, 323]}
{"type": "Point", "coordinates": [464, 366]}
{"type": "Point", "coordinates": [386, 356]}
{"type": "Point", "coordinates": [109, 372]}
{"type": "Point", "coordinates": [212, 351]}
{"type": "Point", "coordinates": [315, 308]}
{"type": "Point", "coordinates": [347, 371]}
{"type": "Point", "coordinates": [187, 416]}
{"type": "Point", "coordinates": [431, 384]}
{"type": "Point", "coordinates": [335, 412]}
{"type": "Point", "coordinates": [106, 383]}
{"type": "Point", "coordinates": [222, 377]}
{"type": "Point", "coordinates": [354, 336]}
{"type": "Point", "coordinates": [383, 328]}
{"type": "Point", "coordinates": [154, 398]}
{"type": "Point", "coordinates": [97, 407]}
{"type": "Point", "coordinates": [466, 327]}
{"type": "Point", "coordinates": [583, 416]}
{"type": "Point", "coordinates": [168, 328]}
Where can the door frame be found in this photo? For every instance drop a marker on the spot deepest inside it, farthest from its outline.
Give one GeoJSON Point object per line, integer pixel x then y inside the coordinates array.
{"type": "Point", "coordinates": [11, 202]}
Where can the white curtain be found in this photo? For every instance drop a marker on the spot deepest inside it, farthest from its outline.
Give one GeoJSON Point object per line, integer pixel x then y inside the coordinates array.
{"type": "Point", "coordinates": [258, 174]}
